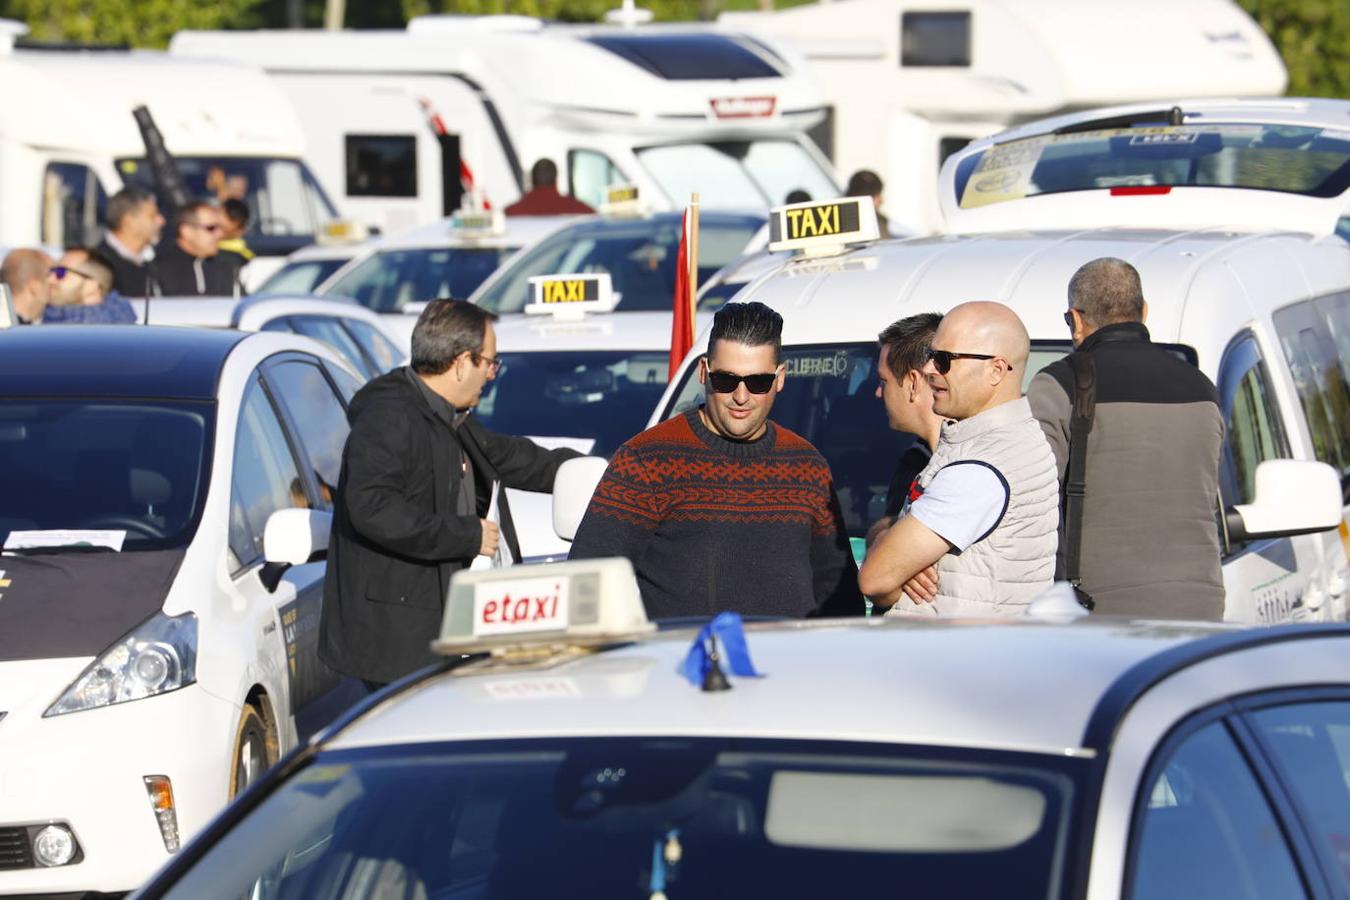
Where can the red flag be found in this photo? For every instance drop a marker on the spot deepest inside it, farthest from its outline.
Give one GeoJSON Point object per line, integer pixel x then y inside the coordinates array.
{"type": "Point", "coordinates": [682, 324]}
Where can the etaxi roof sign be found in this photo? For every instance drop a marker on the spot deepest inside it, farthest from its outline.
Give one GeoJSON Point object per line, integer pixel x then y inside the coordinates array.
{"type": "Point", "coordinates": [478, 223]}
{"type": "Point", "coordinates": [820, 228]}
{"type": "Point", "coordinates": [578, 603]}
{"type": "Point", "coordinates": [622, 201]}
{"type": "Point", "coordinates": [571, 296]}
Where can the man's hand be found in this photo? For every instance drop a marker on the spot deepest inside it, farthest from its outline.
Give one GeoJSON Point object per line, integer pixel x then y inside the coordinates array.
{"type": "Point", "coordinates": [922, 588]}
{"type": "Point", "coordinates": [491, 537]}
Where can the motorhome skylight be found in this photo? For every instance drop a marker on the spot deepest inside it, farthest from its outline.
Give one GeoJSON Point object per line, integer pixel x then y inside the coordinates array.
{"type": "Point", "coordinates": [1296, 160]}
{"type": "Point", "coordinates": [684, 57]}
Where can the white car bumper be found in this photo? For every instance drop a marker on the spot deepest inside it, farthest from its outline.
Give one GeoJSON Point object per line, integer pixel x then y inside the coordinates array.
{"type": "Point", "coordinates": [86, 770]}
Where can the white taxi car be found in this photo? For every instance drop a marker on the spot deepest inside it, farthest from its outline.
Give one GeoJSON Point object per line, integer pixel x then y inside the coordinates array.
{"type": "Point", "coordinates": [1230, 212]}
{"type": "Point", "coordinates": [165, 499]}
{"type": "Point", "coordinates": [577, 751]}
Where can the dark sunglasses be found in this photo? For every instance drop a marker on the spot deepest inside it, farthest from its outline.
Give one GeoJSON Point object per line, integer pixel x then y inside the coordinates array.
{"type": "Point", "coordinates": [62, 271]}
{"type": "Point", "coordinates": [942, 359]}
{"type": "Point", "coordinates": [213, 227]}
{"type": "Point", "coordinates": [727, 382]}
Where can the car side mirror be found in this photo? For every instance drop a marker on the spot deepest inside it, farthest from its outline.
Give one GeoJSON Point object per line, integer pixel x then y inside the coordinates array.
{"type": "Point", "coordinates": [572, 490]}
{"type": "Point", "coordinates": [1292, 497]}
{"type": "Point", "coordinates": [293, 537]}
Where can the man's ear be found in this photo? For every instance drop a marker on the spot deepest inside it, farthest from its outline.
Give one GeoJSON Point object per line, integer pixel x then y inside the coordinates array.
{"type": "Point", "coordinates": [782, 377]}
{"type": "Point", "coordinates": [703, 370]}
{"type": "Point", "coordinates": [913, 381]}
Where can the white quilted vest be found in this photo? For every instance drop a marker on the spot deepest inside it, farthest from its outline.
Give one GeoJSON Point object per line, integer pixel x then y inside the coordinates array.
{"type": "Point", "coordinates": [999, 575]}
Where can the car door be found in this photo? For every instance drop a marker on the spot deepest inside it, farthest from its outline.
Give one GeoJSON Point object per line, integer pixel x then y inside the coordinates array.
{"type": "Point", "coordinates": [1265, 580]}
{"type": "Point", "coordinates": [316, 421]}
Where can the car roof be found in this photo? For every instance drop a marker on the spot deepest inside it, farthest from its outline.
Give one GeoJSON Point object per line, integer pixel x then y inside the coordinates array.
{"type": "Point", "coordinates": [113, 361]}
{"type": "Point", "coordinates": [1037, 686]}
{"type": "Point", "coordinates": [598, 331]}
{"type": "Point", "coordinates": [520, 231]}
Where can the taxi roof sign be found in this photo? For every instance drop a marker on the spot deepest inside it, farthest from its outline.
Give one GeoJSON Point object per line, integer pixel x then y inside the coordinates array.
{"type": "Point", "coordinates": [571, 296]}
{"type": "Point", "coordinates": [622, 200]}
{"type": "Point", "coordinates": [578, 603]}
{"type": "Point", "coordinates": [341, 231]}
{"type": "Point", "coordinates": [478, 223]}
{"type": "Point", "coordinates": [821, 228]}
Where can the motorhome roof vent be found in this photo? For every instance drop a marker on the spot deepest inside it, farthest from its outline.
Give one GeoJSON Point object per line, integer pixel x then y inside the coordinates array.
{"type": "Point", "coordinates": [442, 26]}
{"type": "Point", "coordinates": [690, 55]}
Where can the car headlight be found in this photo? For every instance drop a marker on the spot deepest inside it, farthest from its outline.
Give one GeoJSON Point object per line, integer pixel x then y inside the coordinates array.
{"type": "Point", "coordinates": [158, 657]}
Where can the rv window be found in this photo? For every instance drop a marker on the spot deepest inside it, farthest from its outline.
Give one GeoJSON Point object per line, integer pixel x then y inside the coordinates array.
{"type": "Point", "coordinates": [1314, 360]}
{"type": "Point", "coordinates": [1252, 426]}
{"type": "Point", "coordinates": [589, 172]}
{"type": "Point", "coordinates": [935, 39]}
{"type": "Point", "coordinates": [73, 202]}
{"type": "Point", "coordinates": [692, 55]}
{"type": "Point", "coordinates": [381, 165]}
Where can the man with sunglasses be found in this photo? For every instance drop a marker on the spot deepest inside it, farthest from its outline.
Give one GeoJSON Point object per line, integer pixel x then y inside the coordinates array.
{"type": "Point", "coordinates": [721, 508]}
{"type": "Point", "coordinates": [189, 264]}
{"type": "Point", "coordinates": [1147, 543]}
{"type": "Point", "coordinates": [413, 496]}
{"type": "Point", "coordinates": [984, 511]}
{"type": "Point", "coordinates": [81, 290]}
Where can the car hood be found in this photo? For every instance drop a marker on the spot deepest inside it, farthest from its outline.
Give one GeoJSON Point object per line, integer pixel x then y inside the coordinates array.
{"type": "Point", "coordinates": [77, 605]}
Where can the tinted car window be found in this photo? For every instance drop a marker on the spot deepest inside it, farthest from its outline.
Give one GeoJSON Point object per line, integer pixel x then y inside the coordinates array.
{"type": "Point", "coordinates": [379, 348]}
{"type": "Point", "coordinates": [1311, 743]}
{"type": "Point", "coordinates": [391, 279]}
{"type": "Point", "coordinates": [1252, 428]}
{"type": "Point", "coordinates": [1207, 831]}
{"type": "Point", "coordinates": [319, 418]}
{"type": "Point", "coordinates": [265, 477]}
{"type": "Point", "coordinates": [1314, 361]}
{"type": "Point", "coordinates": [332, 332]}
{"type": "Point", "coordinates": [300, 277]}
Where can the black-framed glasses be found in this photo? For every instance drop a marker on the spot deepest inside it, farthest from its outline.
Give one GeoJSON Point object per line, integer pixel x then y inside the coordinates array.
{"type": "Point", "coordinates": [942, 359]}
{"type": "Point", "coordinates": [212, 227]}
{"type": "Point", "coordinates": [727, 382]}
{"type": "Point", "coordinates": [60, 272]}
{"type": "Point", "coordinates": [495, 364]}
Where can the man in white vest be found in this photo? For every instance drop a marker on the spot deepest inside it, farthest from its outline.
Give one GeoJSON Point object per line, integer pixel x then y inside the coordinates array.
{"type": "Point", "coordinates": [979, 532]}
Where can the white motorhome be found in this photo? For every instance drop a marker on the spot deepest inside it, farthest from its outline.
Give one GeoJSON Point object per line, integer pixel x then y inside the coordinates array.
{"type": "Point", "coordinates": [1231, 218]}
{"type": "Point", "coordinates": [68, 141]}
{"type": "Point", "coordinates": [404, 121]}
{"type": "Point", "coordinates": [909, 82]}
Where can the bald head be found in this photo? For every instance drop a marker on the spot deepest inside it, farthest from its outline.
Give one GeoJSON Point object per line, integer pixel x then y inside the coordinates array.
{"type": "Point", "coordinates": [989, 347]}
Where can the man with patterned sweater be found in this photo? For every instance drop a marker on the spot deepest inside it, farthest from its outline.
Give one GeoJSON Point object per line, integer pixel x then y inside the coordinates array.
{"type": "Point", "coordinates": [721, 509]}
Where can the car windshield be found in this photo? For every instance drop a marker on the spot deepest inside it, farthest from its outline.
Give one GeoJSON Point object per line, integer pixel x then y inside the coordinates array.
{"type": "Point", "coordinates": [605, 396]}
{"type": "Point", "coordinates": [640, 818]}
{"type": "Point", "coordinates": [736, 174]}
{"type": "Point", "coordinates": [1309, 161]}
{"type": "Point", "coordinates": [639, 254]}
{"type": "Point", "coordinates": [301, 276]}
{"type": "Point", "coordinates": [391, 279]}
{"type": "Point", "coordinates": [133, 466]}
{"type": "Point", "coordinates": [287, 207]}
{"type": "Point", "coordinates": [830, 399]}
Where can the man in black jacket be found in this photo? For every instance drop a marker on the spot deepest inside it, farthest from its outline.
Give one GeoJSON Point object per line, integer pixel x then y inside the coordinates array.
{"type": "Point", "coordinates": [416, 484]}
{"type": "Point", "coordinates": [190, 264]}
{"type": "Point", "coordinates": [134, 226]}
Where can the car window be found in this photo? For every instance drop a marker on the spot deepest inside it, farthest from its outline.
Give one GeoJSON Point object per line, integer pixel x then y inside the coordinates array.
{"type": "Point", "coordinates": [379, 348]}
{"type": "Point", "coordinates": [319, 418]}
{"type": "Point", "coordinates": [347, 385]}
{"type": "Point", "coordinates": [73, 205]}
{"type": "Point", "coordinates": [265, 477]}
{"type": "Point", "coordinates": [1311, 746]}
{"type": "Point", "coordinates": [389, 280]}
{"type": "Point", "coordinates": [300, 277]}
{"type": "Point", "coordinates": [1205, 829]}
{"type": "Point", "coordinates": [330, 331]}
{"type": "Point", "coordinates": [1252, 429]}
{"type": "Point", "coordinates": [589, 173]}
{"type": "Point", "coordinates": [1322, 344]}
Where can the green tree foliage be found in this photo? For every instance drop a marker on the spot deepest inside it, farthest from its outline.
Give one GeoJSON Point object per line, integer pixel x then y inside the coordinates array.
{"type": "Point", "coordinates": [141, 23]}
{"type": "Point", "coordinates": [1312, 37]}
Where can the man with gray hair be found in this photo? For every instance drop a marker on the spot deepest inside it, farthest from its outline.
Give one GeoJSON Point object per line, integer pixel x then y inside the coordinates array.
{"type": "Point", "coordinates": [1137, 432]}
{"type": "Point", "coordinates": [134, 225]}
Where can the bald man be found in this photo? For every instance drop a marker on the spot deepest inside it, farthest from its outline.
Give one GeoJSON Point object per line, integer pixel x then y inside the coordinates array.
{"type": "Point", "coordinates": [25, 271]}
{"type": "Point", "coordinates": [978, 534]}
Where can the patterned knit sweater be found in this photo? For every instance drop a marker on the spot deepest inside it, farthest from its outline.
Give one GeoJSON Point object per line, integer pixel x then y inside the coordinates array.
{"type": "Point", "coordinates": [711, 524]}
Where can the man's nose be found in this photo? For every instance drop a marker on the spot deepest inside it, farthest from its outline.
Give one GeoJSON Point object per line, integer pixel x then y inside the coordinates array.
{"type": "Point", "coordinates": [881, 387]}
{"type": "Point", "coordinates": [741, 394]}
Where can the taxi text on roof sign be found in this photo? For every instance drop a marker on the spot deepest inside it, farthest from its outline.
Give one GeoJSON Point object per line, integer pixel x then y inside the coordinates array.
{"type": "Point", "coordinates": [571, 296]}
{"type": "Point", "coordinates": [622, 201]}
{"type": "Point", "coordinates": [823, 227]}
{"type": "Point", "coordinates": [478, 222]}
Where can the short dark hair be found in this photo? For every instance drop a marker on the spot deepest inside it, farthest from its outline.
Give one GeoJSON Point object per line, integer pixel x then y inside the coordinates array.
{"type": "Point", "coordinates": [752, 324]}
{"type": "Point", "coordinates": [1107, 291]}
{"type": "Point", "coordinates": [906, 342]}
{"type": "Point", "coordinates": [187, 213]}
{"type": "Point", "coordinates": [444, 330]}
{"type": "Point", "coordinates": [100, 268]}
{"type": "Point", "coordinates": [863, 183]}
{"type": "Point", "coordinates": [543, 174]}
{"type": "Point", "coordinates": [797, 195]}
{"type": "Point", "coordinates": [236, 211]}
{"type": "Point", "coordinates": [124, 203]}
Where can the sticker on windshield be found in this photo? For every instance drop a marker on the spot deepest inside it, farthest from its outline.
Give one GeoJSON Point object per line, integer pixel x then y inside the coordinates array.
{"type": "Point", "coordinates": [831, 365]}
{"type": "Point", "coordinates": [32, 540]}
{"type": "Point", "coordinates": [1171, 137]}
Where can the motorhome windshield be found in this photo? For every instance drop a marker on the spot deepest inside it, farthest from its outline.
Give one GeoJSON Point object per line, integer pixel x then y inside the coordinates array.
{"type": "Point", "coordinates": [288, 207]}
{"type": "Point", "coordinates": [1296, 160]}
{"type": "Point", "coordinates": [736, 174]}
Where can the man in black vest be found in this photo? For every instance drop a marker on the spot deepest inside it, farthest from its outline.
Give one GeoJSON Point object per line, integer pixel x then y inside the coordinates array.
{"type": "Point", "coordinates": [134, 226]}
{"type": "Point", "coordinates": [416, 484]}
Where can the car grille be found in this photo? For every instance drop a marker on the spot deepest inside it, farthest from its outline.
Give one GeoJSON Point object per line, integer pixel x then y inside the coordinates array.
{"type": "Point", "coordinates": [14, 850]}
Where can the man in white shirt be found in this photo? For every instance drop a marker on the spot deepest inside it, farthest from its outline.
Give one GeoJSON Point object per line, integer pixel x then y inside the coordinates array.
{"type": "Point", "coordinates": [978, 536]}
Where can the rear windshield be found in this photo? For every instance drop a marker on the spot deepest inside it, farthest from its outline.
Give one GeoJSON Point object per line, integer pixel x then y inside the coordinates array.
{"type": "Point", "coordinates": [391, 279]}
{"type": "Point", "coordinates": [136, 467]}
{"type": "Point", "coordinates": [1310, 161]}
{"type": "Point", "coordinates": [641, 818]}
